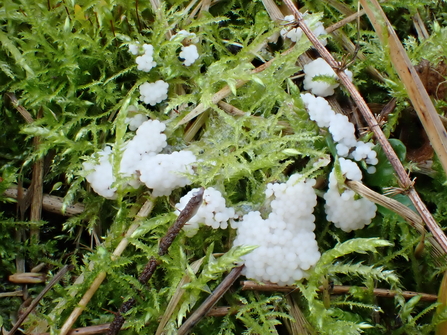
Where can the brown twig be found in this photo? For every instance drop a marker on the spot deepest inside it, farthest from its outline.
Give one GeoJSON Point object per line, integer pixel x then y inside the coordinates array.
{"type": "Point", "coordinates": [420, 26]}
{"type": "Point", "coordinates": [27, 278]}
{"type": "Point", "coordinates": [411, 217]}
{"type": "Point", "coordinates": [185, 215]}
{"type": "Point", "coordinates": [91, 330]}
{"type": "Point", "coordinates": [102, 329]}
{"type": "Point", "coordinates": [50, 203]}
{"type": "Point", "coordinates": [37, 186]}
{"type": "Point", "coordinates": [15, 102]}
{"type": "Point", "coordinates": [143, 212]}
{"type": "Point", "coordinates": [345, 21]}
{"type": "Point", "coordinates": [11, 294]}
{"type": "Point", "coordinates": [33, 305]}
{"type": "Point", "coordinates": [404, 179]}
{"type": "Point", "coordinates": [248, 285]}
{"type": "Point", "coordinates": [202, 311]}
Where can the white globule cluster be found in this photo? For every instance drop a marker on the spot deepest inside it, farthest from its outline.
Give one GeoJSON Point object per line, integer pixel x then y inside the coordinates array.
{"type": "Point", "coordinates": [148, 141]}
{"type": "Point", "coordinates": [101, 175]}
{"type": "Point", "coordinates": [164, 173]}
{"type": "Point", "coordinates": [134, 49]}
{"type": "Point", "coordinates": [212, 212]}
{"type": "Point", "coordinates": [295, 34]}
{"type": "Point", "coordinates": [146, 61]}
{"type": "Point", "coordinates": [342, 131]}
{"type": "Point", "coordinates": [153, 93]}
{"type": "Point", "coordinates": [287, 245]}
{"type": "Point", "coordinates": [141, 162]}
{"type": "Point", "coordinates": [319, 67]}
{"type": "Point", "coordinates": [364, 151]}
{"type": "Point", "coordinates": [189, 51]}
{"type": "Point", "coordinates": [189, 54]}
{"type": "Point", "coordinates": [344, 210]}
{"type": "Point", "coordinates": [134, 119]}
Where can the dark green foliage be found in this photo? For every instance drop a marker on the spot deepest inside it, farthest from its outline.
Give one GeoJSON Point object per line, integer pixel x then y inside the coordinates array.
{"type": "Point", "coordinates": [67, 64]}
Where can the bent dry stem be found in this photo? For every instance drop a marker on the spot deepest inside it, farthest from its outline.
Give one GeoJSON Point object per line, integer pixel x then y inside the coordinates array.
{"type": "Point", "coordinates": [185, 215]}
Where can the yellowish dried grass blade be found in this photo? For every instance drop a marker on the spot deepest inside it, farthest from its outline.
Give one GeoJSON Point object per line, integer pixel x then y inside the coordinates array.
{"type": "Point", "coordinates": [273, 10]}
{"type": "Point", "coordinates": [416, 90]}
{"type": "Point", "coordinates": [176, 297]}
{"type": "Point", "coordinates": [441, 329]}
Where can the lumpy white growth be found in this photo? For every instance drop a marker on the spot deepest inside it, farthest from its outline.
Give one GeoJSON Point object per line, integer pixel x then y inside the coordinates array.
{"type": "Point", "coordinates": [189, 51]}
{"type": "Point", "coordinates": [342, 131]}
{"type": "Point", "coordinates": [141, 162]}
{"type": "Point", "coordinates": [189, 54]}
{"type": "Point", "coordinates": [134, 49]}
{"type": "Point", "coordinates": [318, 109]}
{"type": "Point", "coordinates": [146, 61]}
{"type": "Point", "coordinates": [153, 93]}
{"type": "Point", "coordinates": [212, 212]}
{"type": "Point", "coordinates": [319, 67]}
{"type": "Point", "coordinates": [295, 34]}
{"type": "Point", "coordinates": [100, 175]}
{"type": "Point", "coordinates": [148, 141]}
{"type": "Point", "coordinates": [364, 151]}
{"type": "Point", "coordinates": [287, 245]}
{"type": "Point", "coordinates": [344, 210]}
{"type": "Point", "coordinates": [164, 173]}
{"type": "Point", "coordinates": [183, 34]}
{"type": "Point", "coordinates": [134, 119]}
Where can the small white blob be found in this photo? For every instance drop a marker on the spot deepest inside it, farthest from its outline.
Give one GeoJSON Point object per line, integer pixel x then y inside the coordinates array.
{"type": "Point", "coordinates": [154, 93]}
{"type": "Point", "coordinates": [189, 54]}
{"type": "Point", "coordinates": [319, 67]}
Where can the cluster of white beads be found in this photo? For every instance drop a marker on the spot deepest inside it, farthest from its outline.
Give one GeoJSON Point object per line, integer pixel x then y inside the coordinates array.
{"type": "Point", "coordinates": [141, 162]}
{"type": "Point", "coordinates": [287, 245]}
{"type": "Point", "coordinates": [164, 173]}
{"type": "Point", "coordinates": [148, 141]}
{"type": "Point", "coordinates": [146, 61]}
{"type": "Point", "coordinates": [134, 119]}
{"type": "Point", "coordinates": [153, 93]}
{"type": "Point", "coordinates": [295, 34]}
{"type": "Point", "coordinates": [212, 212]}
{"type": "Point", "coordinates": [319, 67]}
{"type": "Point", "coordinates": [134, 49]}
{"type": "Point", "coordinates": [342, 131]}
{"type": "Point", "coordinates": [189, 51]}
{"type": "Point", "coordinates": [344, 210]}
{"type": "Point", "coordinates": [101, 175]}
{"type": "Point", "coordinates": [364, 151]}
{"type": "Point", "coordinates": [189, 54]}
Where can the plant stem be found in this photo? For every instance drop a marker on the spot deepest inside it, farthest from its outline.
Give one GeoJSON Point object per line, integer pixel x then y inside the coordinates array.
{"type": "Point", "coordinates": [202, 311]}
{"type": "Point", "coordinates": [144, 212]}
{"type": "Point", "coordinates": [35, 302]}
{"type": "Point", "coordinates": [185, 215]}
{"type": "Point", "coordinates": [248, 285]}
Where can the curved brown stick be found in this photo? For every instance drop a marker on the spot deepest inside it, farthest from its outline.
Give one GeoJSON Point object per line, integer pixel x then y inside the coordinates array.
{"type": "Point", "coordinates": [248, 285]}
{"type": "Point", "coordinates": [185, 215]}
{"type": "Point", "coordinates": [206, 306]}
{"type": "Point", "coordinates": [35, 302]}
